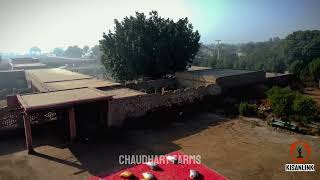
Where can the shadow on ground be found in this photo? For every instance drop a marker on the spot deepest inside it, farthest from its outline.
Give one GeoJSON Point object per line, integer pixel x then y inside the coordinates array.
{"type": "Point", "coordinates": [98, 153]}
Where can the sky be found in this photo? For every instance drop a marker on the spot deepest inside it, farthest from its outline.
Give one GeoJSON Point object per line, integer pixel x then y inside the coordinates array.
{"type": "Point", "coordinates": [60, 23]}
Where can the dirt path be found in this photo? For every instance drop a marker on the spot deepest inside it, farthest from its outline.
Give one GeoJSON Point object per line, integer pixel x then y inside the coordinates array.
{"type": "Point", "coordinates": [236, 148]}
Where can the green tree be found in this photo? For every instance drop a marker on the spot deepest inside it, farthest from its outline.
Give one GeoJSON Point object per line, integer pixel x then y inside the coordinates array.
{"type": "Point", "coordinates": [302, 45]}
{"type": "Point", "coordinates": [73, 52]}
{"type": "Point", "coordinates": [296, 67]}
{"type": "Point", "coordinates": [85, 50]}
{"type": "Point", "coordinates": [148, 47]}
{"type": "Point", "coordinates": [314, 68]}
{"type": "Point", "coordinates": [95, 52]}
{"type": "Point", "coordinates": [58, 51]}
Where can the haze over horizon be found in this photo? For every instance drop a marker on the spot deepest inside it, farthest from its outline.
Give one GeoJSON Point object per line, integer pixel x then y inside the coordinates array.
{"type": "Point", "coordinates": [60, 23]}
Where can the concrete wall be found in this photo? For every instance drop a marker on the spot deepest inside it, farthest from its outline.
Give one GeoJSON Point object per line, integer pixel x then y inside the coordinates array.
{"type": "Point", "coordinates": [12, 79]}
{"type": "Point", "coordinates": [279, 80]}
{"type": "Point", "coordinates": [241, 79]}
{"type": "Point", "coordinates": [137, 106]}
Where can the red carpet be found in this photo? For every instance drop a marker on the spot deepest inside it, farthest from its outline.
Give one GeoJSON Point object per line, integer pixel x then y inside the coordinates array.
{"type": "Point", "coordinates": [167, 171]}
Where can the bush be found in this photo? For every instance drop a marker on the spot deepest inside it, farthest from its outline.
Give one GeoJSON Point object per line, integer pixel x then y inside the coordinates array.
{"type": "Point", "coordinates": [246, 109]}
{"type": "Point", "coordinates": [292, 105]}
{"type": "Point", "coordinates": [305, 109]}
{"type": "Point", "coordinates": [314, 68]}
{"type": "Point", "coordinates": [281, 101]}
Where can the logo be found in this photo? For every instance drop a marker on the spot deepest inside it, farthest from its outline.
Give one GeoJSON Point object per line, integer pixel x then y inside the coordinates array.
{"type": "Point", "coordinates": [300, 153]}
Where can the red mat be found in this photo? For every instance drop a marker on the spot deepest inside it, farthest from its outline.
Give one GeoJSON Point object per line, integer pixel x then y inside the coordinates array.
{"type": "Point", "coordinates": [167, 171]}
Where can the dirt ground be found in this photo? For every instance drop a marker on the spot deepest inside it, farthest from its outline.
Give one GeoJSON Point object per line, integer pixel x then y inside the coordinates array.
{"type": "Point", "coordinates": [238, 148]}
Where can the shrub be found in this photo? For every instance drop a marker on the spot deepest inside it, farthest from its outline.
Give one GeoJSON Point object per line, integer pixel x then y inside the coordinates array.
{"type": "Point", "coordinates": [292, 105]}
{"type": "Point", "coordinates": [281, 101]}
{"type": "Point", "coordinates": [314, 68]}
{"type": "Point", "coordinates": [305, 109]}
{"type": "Point", "coordinates": [246, 109]}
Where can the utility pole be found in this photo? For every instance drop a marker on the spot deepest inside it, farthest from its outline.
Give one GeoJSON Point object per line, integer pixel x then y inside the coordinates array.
{"type": "Point", "coordinates": [218, 49]}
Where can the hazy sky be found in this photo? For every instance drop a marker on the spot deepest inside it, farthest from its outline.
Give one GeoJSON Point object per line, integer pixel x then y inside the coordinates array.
{"type": "Point", "coordinates": [59, 23]}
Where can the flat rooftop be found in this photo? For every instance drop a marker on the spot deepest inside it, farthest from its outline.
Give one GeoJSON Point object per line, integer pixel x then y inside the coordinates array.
{"type": "Point", "coordinates": [210, 75]}
{"type": "Point", "coordinates": [56, 99]}
{"type": "Point", "coordinates": [60, 79]}
{"type": "Point", "coordinates": [28, 65]}
{"type": "Point", "coordinates": [122, 93]}
{"type": "Point", "coordinates": [55, 75]}
{"type": "Point", "coordinates": [192, 68]}
{"type": "Point", "coordinates": [80, 83]}
{"type": "Point", "coordinates": [217, 73]}
{"type": "Point", "coordinates": [271, 75]}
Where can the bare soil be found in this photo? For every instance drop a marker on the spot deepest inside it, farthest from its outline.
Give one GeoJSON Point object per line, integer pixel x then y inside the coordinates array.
{"type": "Point", "coordinates": [238, 148]}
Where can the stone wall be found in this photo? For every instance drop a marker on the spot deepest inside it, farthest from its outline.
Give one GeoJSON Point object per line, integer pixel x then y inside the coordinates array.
{"type": "Point", "coordinates": [137, 106]}
{"type": "Point", "coordinates": [152, 86]}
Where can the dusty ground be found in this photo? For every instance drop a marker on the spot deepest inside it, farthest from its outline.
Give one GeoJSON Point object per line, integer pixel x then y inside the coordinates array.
{"type": "Point", "coordinates": [236, 148]}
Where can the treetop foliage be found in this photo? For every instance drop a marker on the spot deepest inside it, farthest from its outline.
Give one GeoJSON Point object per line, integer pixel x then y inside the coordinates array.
{"type": "Point", "coordinates": [73, 52]}
{"type": "Point", "coordinates": [150, 46]}
{"type": "Point", "coordinates": [292, 53]}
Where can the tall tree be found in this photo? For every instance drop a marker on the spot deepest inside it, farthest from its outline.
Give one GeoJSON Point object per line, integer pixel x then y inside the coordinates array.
{"type": "Point", "coordinates": [73, 52]}
{"type": "Point", "coordinates": [95, 52]}
{"type": "Point", "coordinates": [85, 50]}
{"type": "Point", "coordinates": [58, 51]}
{"type": "Point", "coordinates": [148, 47]}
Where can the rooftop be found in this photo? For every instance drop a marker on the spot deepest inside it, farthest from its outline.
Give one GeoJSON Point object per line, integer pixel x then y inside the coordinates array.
{"type": "Point", "coordinates": [60, 79]}
{"type": "Point", "coordinates": [217, 73]}
{"type": "Point", "coordinates": [55, 99]}
{"type": "Point", "coordinates": [122, 92]}
{"type": "Point", "coordinates": [80, 83]}
{"type": "Point", "coordinates": [28, 65]}
{"type": "Point", "coordinates": [55, 75]}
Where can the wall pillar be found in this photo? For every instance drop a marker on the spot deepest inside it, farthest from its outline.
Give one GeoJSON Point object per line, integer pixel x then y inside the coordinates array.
{"type": "Point", "coordinates": [28, 134]}
{"type": "Point", "coordinates": [72, 124]}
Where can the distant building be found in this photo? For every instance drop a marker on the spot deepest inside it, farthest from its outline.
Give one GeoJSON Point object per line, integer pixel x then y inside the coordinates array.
{"type": "Point", "coordinates": [26, 63]}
